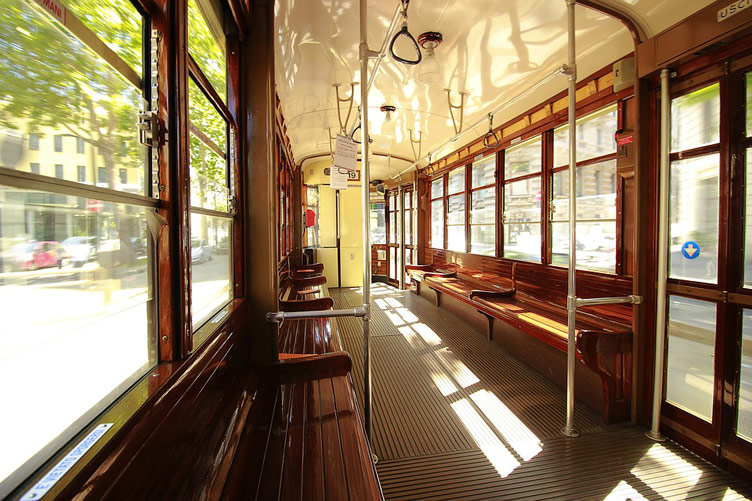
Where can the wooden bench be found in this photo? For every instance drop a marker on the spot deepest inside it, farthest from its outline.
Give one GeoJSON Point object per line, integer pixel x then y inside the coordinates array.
{"type": "Point", "coordinates": [221, 428]}
{"type": "Point", "coordinates": [604, 334]}
{"type": "Point", "coordinates": [313, 336]}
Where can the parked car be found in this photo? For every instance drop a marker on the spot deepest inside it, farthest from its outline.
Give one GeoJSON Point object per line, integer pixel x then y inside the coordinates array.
{"type": "Point", "coordinates": [223, 246]}
{"type": "Point", "coordinates": [34, 255]}
{"type": "Point", "coordinates": [139, 246]}
{"type": "Point", "coordinates": [200, 251]}
{"type": "Point", "coordinates": [81, 250]}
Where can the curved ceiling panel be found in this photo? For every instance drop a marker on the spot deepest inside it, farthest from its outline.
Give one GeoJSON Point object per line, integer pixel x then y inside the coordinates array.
{"type": "Point", "coordinates": [491, 49]}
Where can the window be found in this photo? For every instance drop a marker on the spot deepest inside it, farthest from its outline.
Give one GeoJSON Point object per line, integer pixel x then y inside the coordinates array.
{"type": "Point", "coordinates": [312, 204]}
{"type": "Point", "coordinates": [455, 220]}
{"type": "Point", "coordinates": [596, 193]}
{"type": "Point", "coordinates": [694, 181]}
{"type": "Point", "coordinates": [522, 201]}
{"type": "Point", "coordinates": [378, 223]}
{"type": "Point", "coordinates": [437, 213]}
{"type": "Point", "coordinates": [102, 176]}
{"type": "Point", "coordinates": [102, 299]}
{"type": "Point", "coordinates": [211, 216]}
{"type": "Point", "coordinates": [483, 207]}
{"type": "Point", "coordinates": [81, 174]}
{"type": "Point", "coordinates": [80, 145]}
{"type": "Point", "coordinates": [393, 233]}
{"type": "Point", "coordinates": [123, 176]}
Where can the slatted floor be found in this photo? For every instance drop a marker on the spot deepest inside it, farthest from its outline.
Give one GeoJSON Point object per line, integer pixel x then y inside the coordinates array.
{"type": "Point", "coordinates": [456, 417]}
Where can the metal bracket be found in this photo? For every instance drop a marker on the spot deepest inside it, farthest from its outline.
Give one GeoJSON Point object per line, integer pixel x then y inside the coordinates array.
{"type": "Point", "coordinates": [351, 100]}
{"type": "Point", "coordinates": [418, 141]}
{"type": "Point", "coordinates": [148, 128]}
{"type": "Point", "coordinates": [453, 107]}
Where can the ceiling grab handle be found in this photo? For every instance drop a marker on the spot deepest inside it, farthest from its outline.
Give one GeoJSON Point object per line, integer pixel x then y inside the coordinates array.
{"type": "Point", "coordinates": [491, 134]}
{"type": "Point", "coordinates": [403, 32]}
{"type": "Point", "coordinates": [452, 107]}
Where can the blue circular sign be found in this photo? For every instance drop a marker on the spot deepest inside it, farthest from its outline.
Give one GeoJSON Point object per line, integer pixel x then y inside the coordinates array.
{"type": "Point", "coordinates": [690, 249]}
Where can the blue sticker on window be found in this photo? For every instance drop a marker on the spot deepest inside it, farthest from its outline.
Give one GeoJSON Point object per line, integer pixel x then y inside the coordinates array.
{"type": "Point", "coordinates": [65, 464]}
{"type": "Point", "coordinates": [690, 249]}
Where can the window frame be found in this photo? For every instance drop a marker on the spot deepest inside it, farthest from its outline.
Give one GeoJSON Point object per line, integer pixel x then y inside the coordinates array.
{"type": "Point", "coordinates": [470, 190]}
{"type": "Point", "coordinates": [442, 197]}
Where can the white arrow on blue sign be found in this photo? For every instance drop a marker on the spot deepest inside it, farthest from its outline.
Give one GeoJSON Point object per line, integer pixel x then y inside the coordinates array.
{"type": "Point", "coordinates": [690, 249]}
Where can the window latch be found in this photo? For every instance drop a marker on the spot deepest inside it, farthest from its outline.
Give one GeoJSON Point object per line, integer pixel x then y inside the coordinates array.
{"type": "Point", "coordinates": [148, 128]}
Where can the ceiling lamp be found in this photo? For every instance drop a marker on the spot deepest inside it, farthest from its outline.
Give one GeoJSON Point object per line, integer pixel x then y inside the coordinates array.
{"type": "Point", "coordinates": [429, 70]}
{"type": "Point", "coordinates": [389, 125]}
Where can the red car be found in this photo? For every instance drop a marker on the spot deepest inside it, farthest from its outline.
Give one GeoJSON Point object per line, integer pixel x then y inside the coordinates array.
{"type": "Point", "coordinates": [33, 255]}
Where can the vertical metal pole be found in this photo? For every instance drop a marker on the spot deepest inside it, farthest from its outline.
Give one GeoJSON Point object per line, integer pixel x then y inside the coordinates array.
{"type": "Point", "coordinates": [365, 185]}
{"type": "Point", "coordinates": [401, 226]}
{"type": "Point", "coordinates": [568, 429]}
{"type": "Point", "coordinates": [660, 307]}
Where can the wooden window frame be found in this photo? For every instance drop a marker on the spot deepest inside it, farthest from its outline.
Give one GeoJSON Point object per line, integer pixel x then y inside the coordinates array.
{"type": "Point", "coordinates": [469, 203]}
{"type": "Point", "coordinates": [442, 197]}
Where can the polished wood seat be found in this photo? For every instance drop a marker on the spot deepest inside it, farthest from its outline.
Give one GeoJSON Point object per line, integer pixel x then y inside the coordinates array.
{"type": "Point", "coordinates": [306, 336]}
{"type": "Point", "coordinates": [221, 428]}
{"type": "Point", "coordinates": [312, 435]}
{"type": "Point", "coordinates": [604, 334]}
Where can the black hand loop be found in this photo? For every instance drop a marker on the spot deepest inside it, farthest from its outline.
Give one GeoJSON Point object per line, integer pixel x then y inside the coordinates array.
{"type": "Point", "coordinates": [487, 139]}
{"type": "Point", "coordinates": [405, 33]}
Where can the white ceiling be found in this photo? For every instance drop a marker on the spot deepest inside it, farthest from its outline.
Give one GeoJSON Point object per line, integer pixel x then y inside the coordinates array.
{"type": "Point", "coordinates": [492, 49]}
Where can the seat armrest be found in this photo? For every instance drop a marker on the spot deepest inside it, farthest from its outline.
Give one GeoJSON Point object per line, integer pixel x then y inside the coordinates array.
{"type": "Point", "coordinates": [484, 294]}
{"type": "Point", "coordinates": [321, 303]}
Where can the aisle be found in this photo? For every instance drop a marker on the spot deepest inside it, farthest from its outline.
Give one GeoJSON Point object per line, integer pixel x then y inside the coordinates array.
{"type": "Point", "coordinates": [455, 416]}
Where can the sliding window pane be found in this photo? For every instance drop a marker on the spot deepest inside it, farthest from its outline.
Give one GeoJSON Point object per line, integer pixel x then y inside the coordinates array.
{"type": "Point", "coordinates": [117, 23]}
{"type": "Point", "coordinates": [206, 42]}
{"type": "Point", "coordinates": [210, 269]}
{"type": "Point", "coordinates": [595, 137]}
{"type": "Point", "coordinates": [437, 188]}
{"type": "Point", "coordinates": [392, 227]}
{"type": "Point", "coordinates": [54, 86]}
{"type": "Point", "coordinates": [408, 227]}
{"type": "Point", "coordinates": [523, 159]}
{"type": "Point", "coordinates": [691, 341]}
{"type": "Point", "coordinates": [483, 206]}
{"type": "Point", "coordinates": [456, 223]}
{"type": "Point", "coordinates": [483, 239]}
{"type": "Point", "coordinates": [694, 219]}
{"type": "Point", "coordinates": [522, 241]}
{"type": "Point", "coordinates": [749, 105]}
{"type": "Point", "coordinates": [456, 181]}
{"type": "Point", "coordinates": [522, 201]}
{"type": "Point", "coordinates": [393, 263]}
{"type": "Point", "coordinates": [695, 118]}
{"type": "Point", "coordinates": [748, 224]}
{"type": "Point", "coordinates": [76, 296]}
{"type": "Point", "coordinates": [596, 245]}
{"type": "Point", "coordinates": [209, 180]}
{"type": "Point", "coordinates": [437, 224]}
{"type": "Point", "coordinates": [378, 222]}
{"type": "Point", "coordinates": [484, 172]}
{"type": "Point", "coordinates": [744, 416]}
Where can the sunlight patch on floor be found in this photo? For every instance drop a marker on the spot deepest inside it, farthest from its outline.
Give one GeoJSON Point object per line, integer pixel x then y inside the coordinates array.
{"type": "Point", "coordinates": [501, 459]}
{"type": "Point", "coordinates": [514, 431]}
{"type": "Point", "coordinates": [622, 492]}
{"type": "Point", "coordinates": [657, 463]}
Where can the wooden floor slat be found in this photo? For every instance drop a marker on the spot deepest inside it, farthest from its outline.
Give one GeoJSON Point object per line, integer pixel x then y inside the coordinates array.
{"type": "Point", "coordinates": [456, 417]}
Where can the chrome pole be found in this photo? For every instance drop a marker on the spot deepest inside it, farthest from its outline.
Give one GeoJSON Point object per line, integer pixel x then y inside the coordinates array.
{"type": "Point", "coordinates": [571, 72]}
{"type": "Point", "coordinates": [401, 229]}
{"type": "Point", "coordinates": [660, 307]}
{"type": "Point", "coordinates": [365, 184]}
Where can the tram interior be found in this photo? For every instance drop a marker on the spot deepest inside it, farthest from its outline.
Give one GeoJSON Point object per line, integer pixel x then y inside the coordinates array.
{"type": "Point", "coordinates": [340, 249]}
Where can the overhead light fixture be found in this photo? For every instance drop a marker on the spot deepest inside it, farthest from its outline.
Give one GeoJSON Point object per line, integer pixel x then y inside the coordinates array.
{"type": "Point", "coordinates": [429, 70]}
{"type": "Point", "coordinates": [389, 125]}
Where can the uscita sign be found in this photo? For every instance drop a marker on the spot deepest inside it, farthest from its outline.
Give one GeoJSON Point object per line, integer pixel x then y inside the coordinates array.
{"type": "Point", "coordinates": [733, 8]}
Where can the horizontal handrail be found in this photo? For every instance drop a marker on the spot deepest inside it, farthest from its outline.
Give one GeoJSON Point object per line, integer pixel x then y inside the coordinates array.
{"type": "Point", "coordinates": [276, 317]}
{"type": "Point", "coordinates": [595, 301]}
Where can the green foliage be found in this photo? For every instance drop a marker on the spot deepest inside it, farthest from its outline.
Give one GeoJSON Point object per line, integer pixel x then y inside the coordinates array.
{"type": "Point", "coordinates": [206, 50]}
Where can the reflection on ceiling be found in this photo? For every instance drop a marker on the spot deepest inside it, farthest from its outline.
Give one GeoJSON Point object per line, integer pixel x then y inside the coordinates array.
{"type": "Point", "coordinates": [491, 49]}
